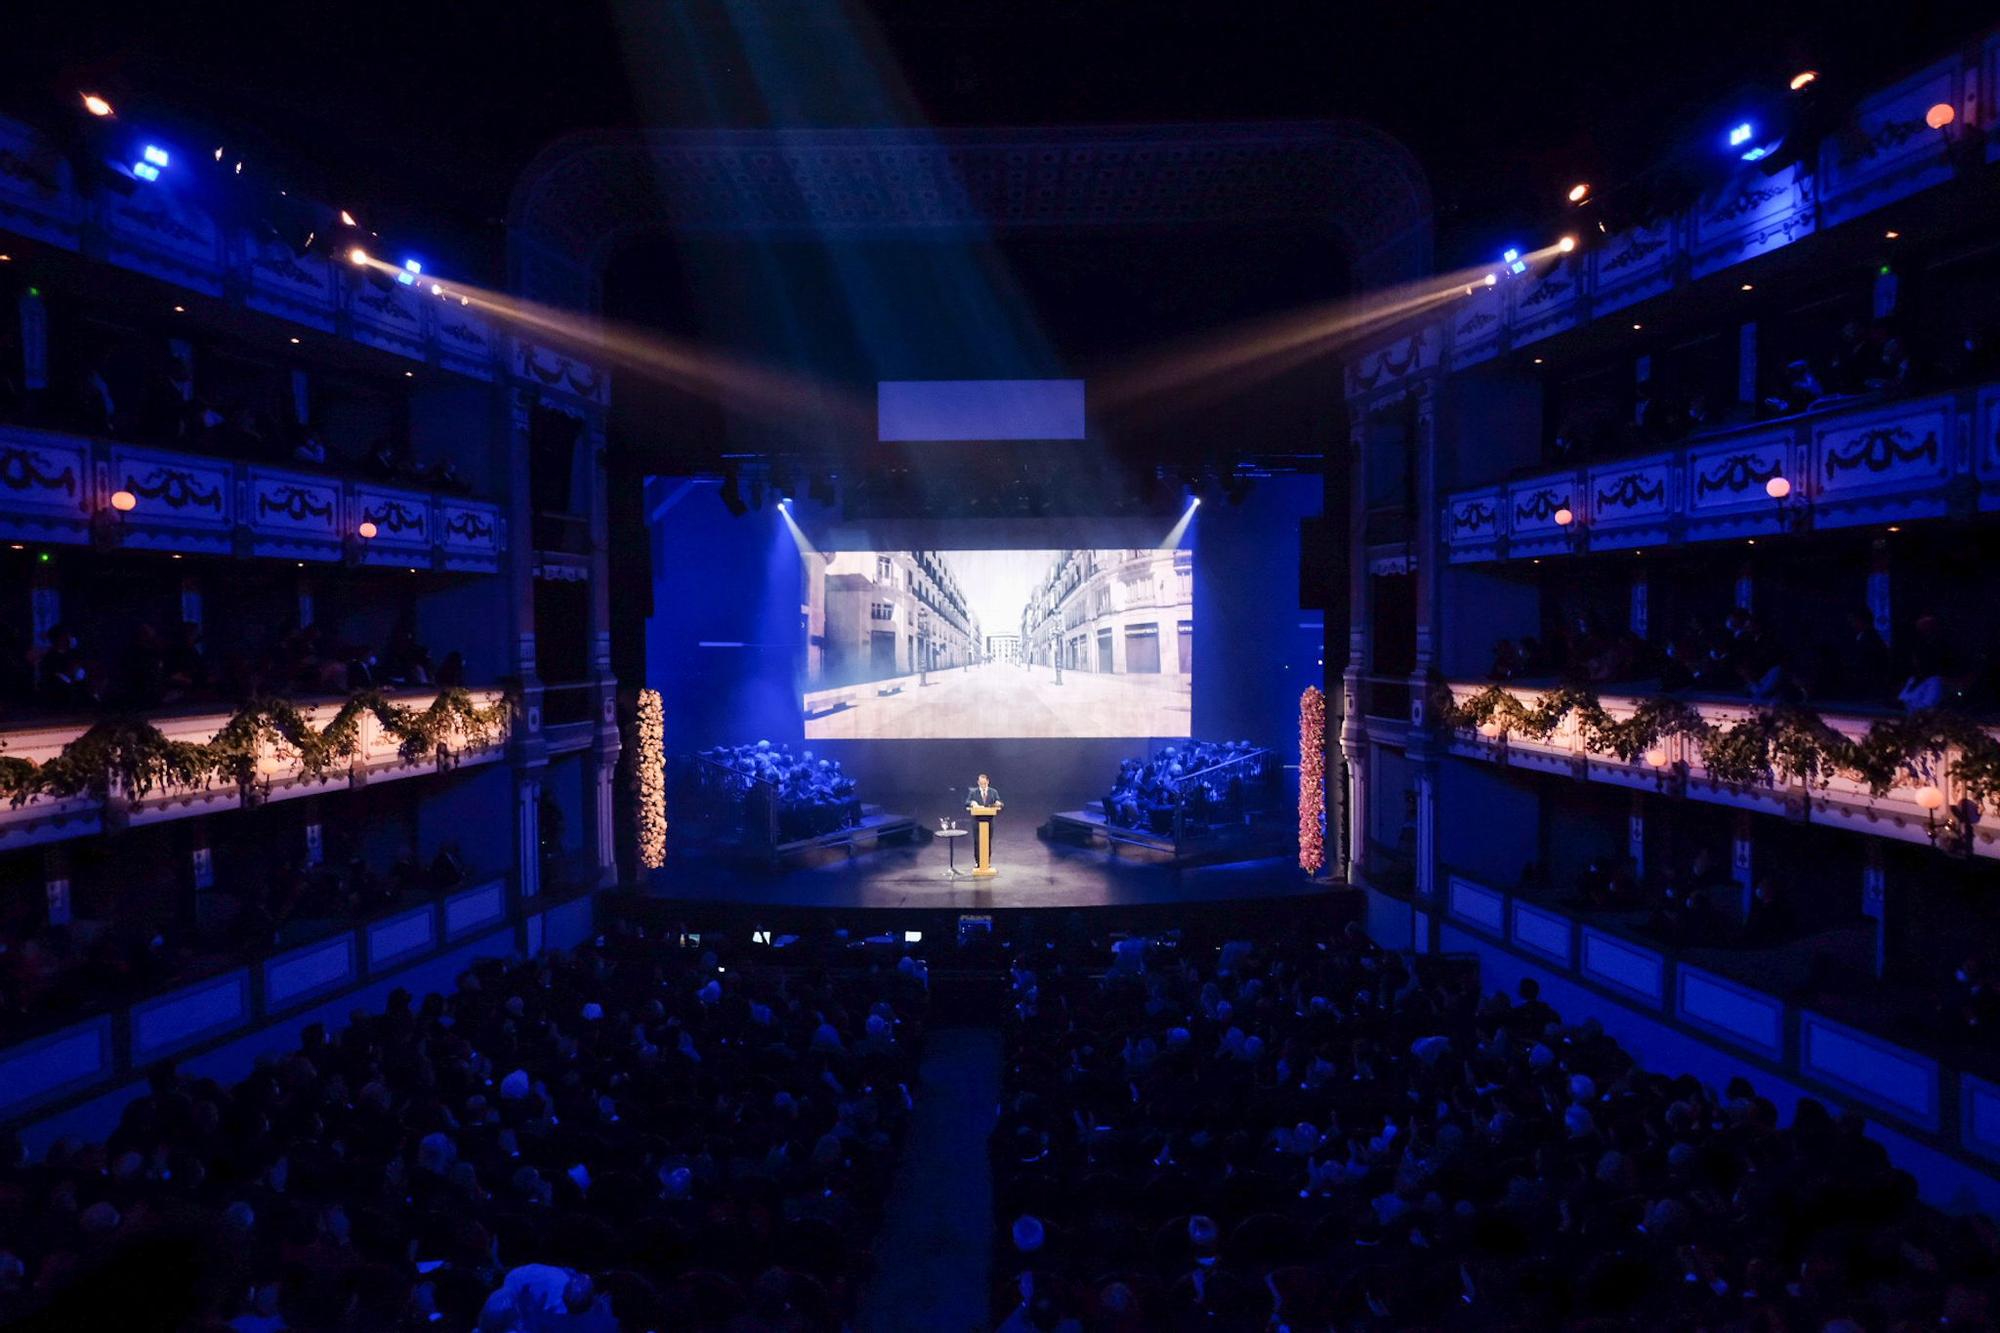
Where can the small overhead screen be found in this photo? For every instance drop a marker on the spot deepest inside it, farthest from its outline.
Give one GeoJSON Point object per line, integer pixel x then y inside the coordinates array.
{"type": "Point", "coordinates": [919, 410]}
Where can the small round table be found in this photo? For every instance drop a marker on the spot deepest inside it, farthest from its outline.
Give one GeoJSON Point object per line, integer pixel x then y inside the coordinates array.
{"type": "Point", "coordinates": [951, 837]}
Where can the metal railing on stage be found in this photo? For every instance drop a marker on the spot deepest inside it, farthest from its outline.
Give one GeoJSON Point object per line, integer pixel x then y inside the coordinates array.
{"type": "Point", "coordinates": [1230, 792]}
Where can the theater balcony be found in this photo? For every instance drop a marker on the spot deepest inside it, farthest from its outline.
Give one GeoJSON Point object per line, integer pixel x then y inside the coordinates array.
{"type": "Point", "coordinates": [73, 490]}
{"type": "Point", "coordinates": [1912, 810]}
{"type": "Point", "coordinates": [111, 801]}
{"type": "Point", "coordinates": [1866, 463]}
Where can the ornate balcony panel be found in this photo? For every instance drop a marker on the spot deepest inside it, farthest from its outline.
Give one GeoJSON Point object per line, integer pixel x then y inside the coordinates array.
{"type": "Point", "coordinates": [1725, 480]}
{"type": "Point", "coordinates": [47, 491]}
{"type": "Point", "coordinates": [1844, 802]}
{"type": "Point", "coordinates": [157, 232]}
{"type": "Point", "coordinates": [1887, 464]}
{"type": "Point", "coordinates": [1887, 151]}
{"type": "Point", "coordinates": [37, 197]}
{"type": "Point", "coordinates": [1386, 366]}
{"type": "Point", "coordinates": [1635, 264]}
{"type": "Point", "coordinates": [186, 502]}
{"type": "Point", "coordinates": [402, 522]}
{"type": "Point", "coordinates": [42, 819]}
{"type": "Point", "coordinates": [292, 514]}
{"type": "Point", "coordinates": [1632, 502]}
{"type": "Point", "coordinates": [468, 534]}
{"type": "Point", "coordinates": [1752, 215]}
{"type": "Point", "coordinates": [1532, 510]}
{"type": "Point", "coordinates": [559, 372]}
{"type": "Point", "coordinates": [387, 315]}
{"type": "Point", "coordinates": [280, 283]}
{"type": "Point", "coordinates": [1475, 524]}
{"type": "Point", "coordinates": [1986, 447]}
{"type": "Point", "coordinates": [1476, 323]}
{"type": "Point", "coordinates": [466, 340]}
{"type": "Point", "coordinates": [1549, 302]}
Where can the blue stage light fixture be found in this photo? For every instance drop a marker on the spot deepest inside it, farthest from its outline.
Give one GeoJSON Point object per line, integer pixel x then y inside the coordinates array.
{"type": "Point", "coordinates": [1740, 134]}
{"type": "Point", "coordinates": [155, 155]}
{"type": "Point", "coordinates": [411, 268]}
{"type": "Point", "coordinates": [1511, 257]}
{"type": "Point", "coordinates": [145, 171]}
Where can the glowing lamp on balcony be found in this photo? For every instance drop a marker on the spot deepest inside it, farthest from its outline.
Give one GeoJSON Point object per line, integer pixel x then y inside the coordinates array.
{"type": "Point", "coordinates": [1930, 798]}
{"type": "Point", "coordinates": [1564, 517]}
{"type": "Point", "coordinates": [1940, 115]}
{"type": "Point", "coordinates": [1656, 757]}
{"type": "Point", "coordinates": [124, 501]}
{"type": "Point", "coordinates": [367, 530]}
{"type": "Point", "coordinates": [1778, 488]}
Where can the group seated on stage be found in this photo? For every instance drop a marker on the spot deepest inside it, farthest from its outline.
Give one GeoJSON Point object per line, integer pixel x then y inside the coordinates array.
{"type": "Point", "coordinates": [1208, 782]}
{"type": "Point", "coordinates": [1302, 1133]}
{"type": "Point", "coordinates": [811, 796]}
{"type": "Point", "coordinates": [618, 1139]}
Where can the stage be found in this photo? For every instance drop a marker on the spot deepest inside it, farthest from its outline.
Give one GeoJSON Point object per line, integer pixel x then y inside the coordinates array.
{"type": "Point", "coordinates": [1033, 875]}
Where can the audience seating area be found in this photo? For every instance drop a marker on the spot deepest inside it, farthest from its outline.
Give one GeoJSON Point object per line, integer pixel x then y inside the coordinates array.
{"type": "Point", "coordinates": [1297, 1135]}
{"type": "Point", "coordinates": [766, 792]}
{"type": "Point", "coordinates": [1195, 785]}
{"type": "Point", "coordinates": [627, 1137]}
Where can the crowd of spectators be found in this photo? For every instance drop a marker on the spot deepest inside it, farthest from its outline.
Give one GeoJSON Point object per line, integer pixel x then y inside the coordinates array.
{"type": "Point", "coordinates": [622, 1138]}
{"type": "Point", "coordinates": [1205, 782]}
{"type": "Point", "coordinates": [1311, 1135]}
{"type": "Point", "coordinates": [145, 390]}
{"type": "Point", "coordinates": [759, 786]}
{"type": "Point", "coordinates": [52, 972]}
{"type": "Point", "coordinates": [1738, 656]}
{"type": "Point", "coordinates": [155, 669]}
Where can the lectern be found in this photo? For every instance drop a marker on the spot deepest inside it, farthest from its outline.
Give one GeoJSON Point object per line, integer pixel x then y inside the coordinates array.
{"type": "Point", "coordinates": [982, 842]}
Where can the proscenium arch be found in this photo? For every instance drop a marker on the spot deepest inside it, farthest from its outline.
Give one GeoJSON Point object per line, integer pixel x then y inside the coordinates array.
{"type": "Point", "coordinates": [588, 193]}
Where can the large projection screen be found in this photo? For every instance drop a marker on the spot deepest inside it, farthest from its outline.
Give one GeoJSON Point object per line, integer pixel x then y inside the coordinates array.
{"type": "Point", "coordinates": [907, 645]}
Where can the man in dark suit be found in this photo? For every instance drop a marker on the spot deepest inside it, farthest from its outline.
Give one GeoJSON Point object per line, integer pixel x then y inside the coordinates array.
{"type": "Point", "coordinates": [983, 793]}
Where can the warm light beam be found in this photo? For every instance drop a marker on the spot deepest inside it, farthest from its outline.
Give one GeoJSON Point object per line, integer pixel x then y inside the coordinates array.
{"type": "Point", "coordinates": [746, 388]}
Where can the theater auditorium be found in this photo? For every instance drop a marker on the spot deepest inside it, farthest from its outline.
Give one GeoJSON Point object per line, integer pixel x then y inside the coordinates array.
{"type": "Point", "coordinates": [725, 667]}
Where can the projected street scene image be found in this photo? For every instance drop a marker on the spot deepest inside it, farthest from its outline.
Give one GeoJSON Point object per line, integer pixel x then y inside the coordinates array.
{"type": "Point", "coordinates": [909, 644]}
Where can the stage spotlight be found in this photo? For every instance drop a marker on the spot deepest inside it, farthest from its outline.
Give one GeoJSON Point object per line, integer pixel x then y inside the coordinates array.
{"type": "Point", "coordinates": [1802, 78]}
{"type": "Point", "coordinates": [1566, 244]}
{"type": "Point", "coordinates": [347, 219]}
{"type": "Point", "coordinates": [96, 105]}
{"type": "Point", "coordinates": [358, 257]}
{"type": "Point", "coordinates": [1492, 278]}
{"type": "Point", "coordinates": [1579, 192]}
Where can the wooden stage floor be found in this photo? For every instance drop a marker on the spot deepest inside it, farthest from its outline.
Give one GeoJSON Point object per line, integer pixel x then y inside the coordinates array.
{"type": "Point", "coordinates": [1033, 874]}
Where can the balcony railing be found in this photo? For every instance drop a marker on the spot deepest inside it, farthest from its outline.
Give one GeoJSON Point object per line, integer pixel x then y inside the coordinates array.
{"type": "Point", "coordinates": [48, 818]}
{"type": "Point", "coordinates": [1386, 698]}
{"type": "Point", "coordinates": [1845, 801]}
{"type": "Point", "coordinates": [1859, 464]}
{"type": "Point", "coordinates": [58, 488]}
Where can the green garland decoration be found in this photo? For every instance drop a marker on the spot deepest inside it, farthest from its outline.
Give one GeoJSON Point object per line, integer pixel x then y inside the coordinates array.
{"type": "Point", "coordinates": [140, 757]}
{"type": "Point", "coordinates": [1781, 744]}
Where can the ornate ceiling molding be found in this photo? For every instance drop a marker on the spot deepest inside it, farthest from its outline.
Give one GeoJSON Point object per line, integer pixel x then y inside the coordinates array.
{"type": "Point", "coordinates": [588, 192]}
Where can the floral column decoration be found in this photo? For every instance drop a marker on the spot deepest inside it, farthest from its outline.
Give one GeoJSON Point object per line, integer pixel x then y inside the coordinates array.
{"type": "Point", "coordinates": [649, 781]}
{"type": "Point", "coordinates": [1312, 780]}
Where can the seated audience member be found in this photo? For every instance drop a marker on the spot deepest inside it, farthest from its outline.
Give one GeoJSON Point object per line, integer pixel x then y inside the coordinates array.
{"type": "Point", "coordinates": [1506, 661]}
{"type": "Point", "coordinates": [1861, 671]}
{"type": "Point", "coordinates": [66, 681]}
{"type": "Point", "coordinates": [812, 796]}
{"type": "Point", "coordinates": [1934, 679]}
{"type": "Point", "coordinates": [1770, 919]}
{"type": "Point", "coordinates": [1212, 782]}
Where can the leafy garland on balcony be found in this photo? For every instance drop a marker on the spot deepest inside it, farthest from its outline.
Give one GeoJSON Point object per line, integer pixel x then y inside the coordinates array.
{"type": "Point", "coordinates": [140, 757]}
{"type": "Point", "coordinates": [1784, 743]}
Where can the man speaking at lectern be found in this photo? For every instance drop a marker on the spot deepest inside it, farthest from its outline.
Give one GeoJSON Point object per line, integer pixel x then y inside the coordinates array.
{"type": "Point", "coordinates": [987, 797]}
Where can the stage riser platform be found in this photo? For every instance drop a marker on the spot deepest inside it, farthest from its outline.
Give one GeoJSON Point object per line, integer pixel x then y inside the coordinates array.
{"type": "Point", "coordinates": [1087, 828]}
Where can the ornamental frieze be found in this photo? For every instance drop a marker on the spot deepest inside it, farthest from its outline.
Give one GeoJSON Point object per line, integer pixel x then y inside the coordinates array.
{"type": "Point", "coordinates": [1631, 491]}
{"type": "Point", "coordinates": [1881, 450]}
{"type": "Point", "coordinates": [296, 503]}
{"type": "Point", "coordinates": [1541, 506]}
{"type": "Point", "coordinates": [1736, 474]}
{"type": "Point", "coordinates": [23, 469]}
{"type": "Point", "coordinates": [176, 488]}
{"type": "Point", "coordinates": [392, 517]}
{"type": "Point", "coordinates": [1475, 517]}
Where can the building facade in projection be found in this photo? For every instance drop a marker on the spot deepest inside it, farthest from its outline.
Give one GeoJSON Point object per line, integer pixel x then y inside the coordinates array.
{"type": "Point", "coordinates": [887, 614]}
{"type": "Point", "coordinates": [1113, 612]}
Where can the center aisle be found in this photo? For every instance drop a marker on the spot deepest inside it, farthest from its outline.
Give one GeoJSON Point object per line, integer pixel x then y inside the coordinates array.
{"type": "Point", "coordinates": [931, 1266]}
